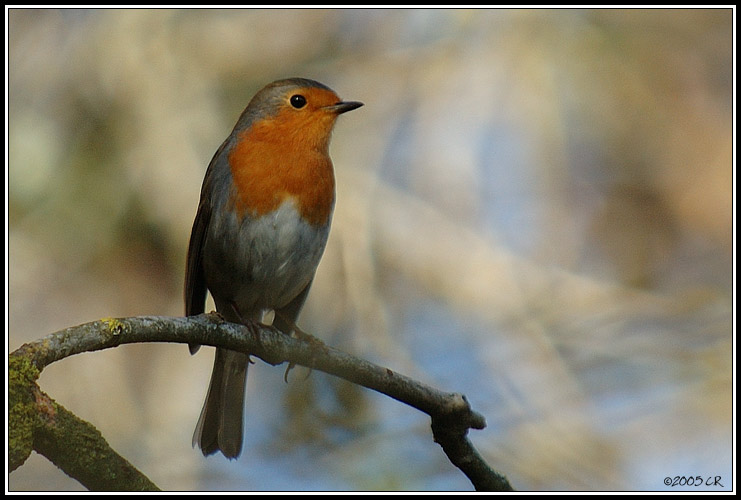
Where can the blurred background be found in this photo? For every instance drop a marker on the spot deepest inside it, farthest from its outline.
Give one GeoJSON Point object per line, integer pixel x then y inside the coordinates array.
{"type": "Point", "coordinates": [534, 208]}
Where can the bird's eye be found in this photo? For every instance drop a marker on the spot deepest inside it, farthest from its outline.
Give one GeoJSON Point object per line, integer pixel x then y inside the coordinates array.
{"type": "Point", "coordinates": [298, 101]}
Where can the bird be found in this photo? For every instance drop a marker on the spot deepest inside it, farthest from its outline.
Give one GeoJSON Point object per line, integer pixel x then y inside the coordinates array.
{"type": "Point", "coordinates": [260, 230]}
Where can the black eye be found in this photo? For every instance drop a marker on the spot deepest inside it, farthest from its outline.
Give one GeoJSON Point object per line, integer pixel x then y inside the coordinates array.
{"type": "Point", "coordinates": [298, 101]}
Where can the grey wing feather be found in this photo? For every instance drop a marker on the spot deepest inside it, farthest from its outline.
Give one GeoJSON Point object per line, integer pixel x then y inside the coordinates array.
{"type": "Point", "coordinates": [195, 278]}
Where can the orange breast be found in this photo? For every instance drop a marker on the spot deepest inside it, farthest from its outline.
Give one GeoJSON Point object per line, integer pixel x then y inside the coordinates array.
{"type": "Point", "coordinates": [278, 159]}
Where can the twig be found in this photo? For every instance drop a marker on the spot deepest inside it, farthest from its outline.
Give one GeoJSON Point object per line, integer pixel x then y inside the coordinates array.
{"type": "Point", "coordinates": [451, 414]}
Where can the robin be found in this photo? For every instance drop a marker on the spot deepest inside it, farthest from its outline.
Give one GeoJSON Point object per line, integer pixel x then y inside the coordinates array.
{"type": "Point", "coordinates": [261, 227]}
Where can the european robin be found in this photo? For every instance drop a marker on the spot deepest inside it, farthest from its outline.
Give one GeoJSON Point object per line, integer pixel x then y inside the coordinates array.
{"type": "Point", "coordinates": [261, 227]}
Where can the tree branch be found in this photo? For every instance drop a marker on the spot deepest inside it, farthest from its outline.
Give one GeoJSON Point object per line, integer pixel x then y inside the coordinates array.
{"type": "Point", "coordinates": [38, 422]}
{"type": "Point", "coordinates": [451, 414]}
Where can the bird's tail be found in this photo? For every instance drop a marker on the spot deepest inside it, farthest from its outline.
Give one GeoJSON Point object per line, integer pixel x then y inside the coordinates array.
{"type": "Point", "coordinates": [220, 424]}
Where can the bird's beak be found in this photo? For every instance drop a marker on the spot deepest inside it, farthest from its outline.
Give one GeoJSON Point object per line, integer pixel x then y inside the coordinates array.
{"type": "Point", "coordinates": [343, 107]}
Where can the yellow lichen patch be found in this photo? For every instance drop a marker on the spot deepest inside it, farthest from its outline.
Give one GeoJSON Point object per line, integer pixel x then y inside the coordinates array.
{"type": "Point", "coordinates": [114, 326]}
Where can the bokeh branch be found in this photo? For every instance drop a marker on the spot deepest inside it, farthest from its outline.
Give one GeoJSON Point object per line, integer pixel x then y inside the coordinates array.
{"type": "Point", "coordinates": [451, 414]}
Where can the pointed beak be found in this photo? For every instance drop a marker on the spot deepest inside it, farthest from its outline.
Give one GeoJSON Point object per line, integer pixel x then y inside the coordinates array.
{"type": "Point", "coordinates": [343, 107]}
